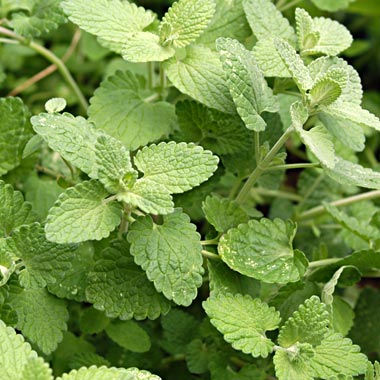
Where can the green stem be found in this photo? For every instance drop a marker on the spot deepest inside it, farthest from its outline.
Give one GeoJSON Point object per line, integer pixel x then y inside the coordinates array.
{"type": "Point", "coordinates": [72, 171]}
{"type": "Point", "coordinates": [8, 41]}
{"type": "Point", "coordinates": [262, 166]}
{"type": "Point", "coordinates": [47, 54]}
{"type": "Point", "coordinates": [210, 255]}
{"type": "Point", "coordinates": [235, 188]}
{"type": "Point", "coordinates": [311, 189]}
{"type": "Point", "coordinates": [295, 166]}
{"type": "Point", "coordinates": [288, 5]}
{"type": "Point", "coordinates": [210, 242]}
{"type": "Point", "coordinates": [278, 194]}
{"type": "Point", "coordinates": [257, 148]}
{"type": "Point", "coordinates": [162, 82]}
{"type": "Point", "coordinates": [320, 210]}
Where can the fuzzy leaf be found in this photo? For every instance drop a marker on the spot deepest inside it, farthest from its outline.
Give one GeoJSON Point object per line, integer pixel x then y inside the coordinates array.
{"type": "Point", "coordinates": [331, 5]}
{"type": "Point", "coordinates": [145, 47]}
{"type": "Point", "coordinates": [248, 88]}
{"type": "Point", "coordinates": [15, 131]}
{"type": "Point", "coordinates": [170, 253]}
{"type": "Point", "coordinates": [243, 321]}
{"type": "Point", "coordinates": [118, 107]}
{"type": "Point", "coordinates": [72, 137]}
{"type": "Point", "coordinates": [54, 105]}
{"type": "Point", "coordinates": [117, 286]}
{"type": "Point", "coordinates": [42, 318]}
{"type": "Point", "coordinates": [115, 169]}
{"type": "Point", "coordinates": [36, 368]}
{"type": "Point", "coordinates": [324, 92]}
{"type": "Point", "coordinates": [185, 21]}
{"type": "Point", "coordinates": [104, 373]}
{"type": "Point", "coordinates": [14, 212]}
{"type": "Point", "coordinates": [110, 20]}
{"type": "Point", "coordinates": [81, 213]}
{"type": "Point", "coordinates": [177, 167]}
{"type": "Point", "coordinates": [263, 250]}
{"type": "Point", "coordinates": [187, 72]}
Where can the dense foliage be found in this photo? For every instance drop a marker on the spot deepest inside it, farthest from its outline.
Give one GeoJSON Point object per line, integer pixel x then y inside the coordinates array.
{"type": "Point", "coordinates": [212, 213]}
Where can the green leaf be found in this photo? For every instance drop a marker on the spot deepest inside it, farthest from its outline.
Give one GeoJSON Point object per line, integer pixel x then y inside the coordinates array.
{"type": "Point", "coordinates": [267, 22]}
{"type": "Point", "coordinates": [93, 321]}
{"type": "Point", "coordinates": [145, 47]}
{"type": "Point", "coordinates": [324, 92]}
{"type": "Point", "coordinates": [54, 105]}
{"type": "Point", "coordinates": [263, 250]}
{"type": "Point", "coordinates": [248, 88]}
{"type": "Point", "coordinates": [373, 371]}
{"type": "Point", "coordinates": [45, 16]}
{"type": "Point", "coordinates": [170, 253]}
{"type": "Point", "coordinates": [177, 167]}
{"type": "Point", "coordinates": [14, 212]}
{"type": "Point", "coordinates": [197, 357]}
{"type": "Point", "coordinates": [15, 131]}
{"type": "Point", "coordinates": [243, 321]}
{"type": "Point", "coordinates": [295, 65]}
{"type": "Point", "coordinates": [111, 21]}
{"type": "Point", "coordinates": [129, 335]}
{"type": "Point", "coordinates": [329, 288]}
{"type": "Point", "coordinates": [188, 71]}
{"type": "Point", "coordinates": [317, 139]}
{"type": "Point", "coordinates": [185, 21]}
{"type": "Point", "coordinates": [41, 317]}
{"type": "Point", "coordinates": [44, 262]}
{"type": "Point", "coordinates": [115, 169]}
{"type": "Point", "coordinates": [223, 213]}
{"type": "Point", "coordinates": [309, 324]}
{"type": "Point", "coordinates": [118, 107]}
{"type": "Point", "coordinates": [72, 137]}
{"type": "Point", "coordinates": [81, 213]}
{"type": "Point", "coordinates": [104, 373]}
{"type": "Point", "coordinates": [36, 368]}
{"type": "Point", "coordinates": [342, 316]}
{"type": "Point", "coordinates": [117, 286]}
{"type": "Point", "coordinates": [332, 5]}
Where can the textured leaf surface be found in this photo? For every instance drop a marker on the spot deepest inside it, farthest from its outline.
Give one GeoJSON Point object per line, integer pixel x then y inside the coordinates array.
{"type": "Point", "coordinates": [72, 137]}
{"type": "Point", "coordinates": [36, 368]}
{"type": "Point", "coordinates": [145, 47]}
{"type": "Point", "coordinates": [104, 373]}
{"type": "Point", "coordinates": [263, 250]}
{"type": "Point", "coordinates": [298, 368]}
{"type": "Point", "coordinates": [45, 16]}
{"type": "Point", "coordinates": [111, 21]}
{"type": "Point", "coordinates": [42, 318]}
{"type": "Point", "coordinates": [14, 212]}
{"type": "Point", "coordinates": [115, 169]}
{"type": "Point", "coordinates": [44, 262]}
{"type": "Point", "coordinates": [188, 73]}
{"type": "Point", "coordinates": [81, 213]}
{"type": "Point", "coordinates": [248, 88]}
{"type": "Point", "coordinates": [243, 321]}
{"type": "Point", "coordinates": [185, 21]}
{"type": "Point", "coordinates": [120, 288]}
{"type": "Point", "coordinates": [324, 92]}
{"type": "Point", "coordinates": [15, 131]}
{"type": "Point", "coordinates": [332, 5]}
{"type": "Point", "coordinates": [118, 107]}
{"type": "Point", "coordinates": [170, 254]}
{"type": "Point", "coordinates": [223, 213]}
{"type": "Point", "coordinates": [177, 167]}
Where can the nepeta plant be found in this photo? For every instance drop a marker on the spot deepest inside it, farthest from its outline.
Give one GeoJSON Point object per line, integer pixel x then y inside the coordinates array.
{"type": "Point", "coordinates": [152, 246]}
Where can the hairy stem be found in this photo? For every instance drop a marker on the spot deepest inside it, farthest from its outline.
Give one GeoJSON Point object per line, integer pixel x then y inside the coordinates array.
{"type": "Point", "coordinates": [295, 166]}
{"type": "Point", "coordinates": [278, 194]}
{"type": "Point", "coordinates": [288, 5]}
{"type": "Point", "coordinates": [210, 255]}
{"type": "Point", "coordinates": [257, 148]}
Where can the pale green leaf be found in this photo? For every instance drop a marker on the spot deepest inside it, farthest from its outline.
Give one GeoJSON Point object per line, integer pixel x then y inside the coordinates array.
{"type": "Point", "coordinates": [36, 368]}
{"type": "Point", "coordinates": [55, 105]}
{"type": "Point", "coordinates": [82, 213]}
{"type": "Point", "coordinates": [337, 356]}
{"type": "Point", "coordinates": [248, 88]}
{"type": "Point", "coordinates": [229, 21]}
{"type": "Point", "coordinates": [15, 131]}
{"type": "Point", "coordinates": [104, 373]}
{"type": "Point", "coordinates": [309, 324]}
{"type": "Point", "coordinates": [295, 65]}
{"type": "Point", "coordinates": [263, 250]}
{"type": "Point", "coordinates": [42, 318]}
{"type": "Point", "coordinates": [266, 21]}
{"type": "Point", "coordinates": [43, 262]}
{"type": "Point", "coordinates": [115, 169]}
{"type": "Point", "coordinates": [177, 167]}
{"type": "Point", "coordinates": [306, 36]}
{"type": "Point", "coordinates": [110, 20]}
{"type": "Point", "coordinates": [185, 21]}
{"type": "Point", "coordinates": [72, 137]}
{"type": "Point", "coordinates": [129, 335]}
{"type": "Point", "coordinates": [188, 71]}
{"type": "Point", "coordinates": [342, 316]}
{"type": "Point", "coordinates": [148, 196]}
{"type": "Point", "coordinates": [324, 92]}
{"type": "Point", "coordinates": [170, 253]}
{"type": "Point", "coordinates": [145, 47]}
{"type": "Point", "coordinates": [223, 213]}
{"type": "Point", "coordinates": [373, 371]}
{"type": "Point", "coordinates": [117, 286]}
{"type": "Point", "coordinates": [118, 107]}
{"type": "Point", "coordinates": [332, 5]}
{"type": "Point", "coordinates": [243, 321]}
{"type": "Point", "coordinates": [86, 359]}
{"type": "Point", "coordinates": [14, 212]}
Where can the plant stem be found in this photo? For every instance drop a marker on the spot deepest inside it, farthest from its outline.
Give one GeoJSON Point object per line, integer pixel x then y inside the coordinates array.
{"type": "Point", "coordinates": [323, 263]}
{"type": "Point", "coordinates": [311, 189]}
{"type": "Point", "coordinates": [320, 210]}
{"type": "Point", "coordinates": [295, 166]}
{"type": "Point", "coordinates": [288, 5]}
{"type": "Point", "coordinates": [210, 242]}
{"type": "Point", "coordinates": [210, 255]}
{"type": "Point", "coordinates": [47, 54]}
{"type": "Point", "coordinates": [262, 166]}
{"type": "Point", "coordinates": [278, 194]}
{"type": "Point", "coordinates": [8, 41]}
{"type": "Point", "coordinates": [162, 82]}
{"type": "Point", "coordinates": [257, 148]}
